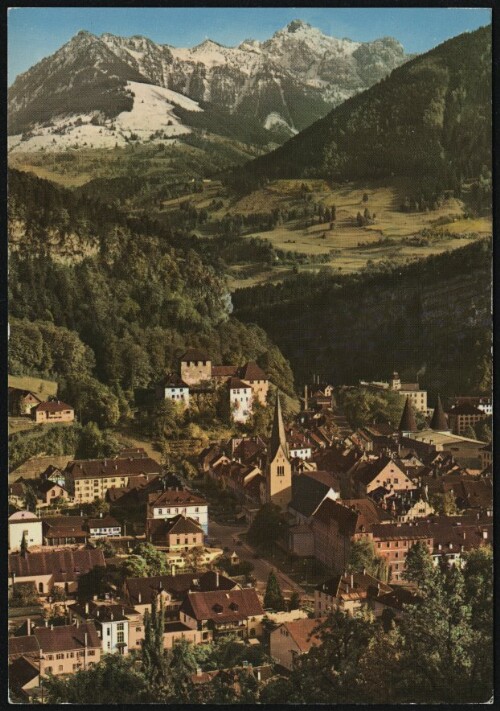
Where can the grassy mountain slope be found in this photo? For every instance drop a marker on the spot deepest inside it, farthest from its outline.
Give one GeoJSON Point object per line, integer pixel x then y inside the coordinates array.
{"type": "Point", "coordinates": [431, 117]}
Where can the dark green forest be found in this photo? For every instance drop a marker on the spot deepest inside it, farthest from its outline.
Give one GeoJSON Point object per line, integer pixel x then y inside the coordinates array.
{"type": "Point", "coordinates": [432, 317]}
{"type": "Point", "coordinates": [431, 117]}
{"type": "Point", "coordinates": [123, 315]}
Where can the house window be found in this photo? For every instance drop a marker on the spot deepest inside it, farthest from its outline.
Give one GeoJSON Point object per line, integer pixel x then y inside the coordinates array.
{"type": "Point", "coordinates": [91, 652]}
{"type": "Point", "coordinates": [108, 631]}
{"type": "Point", "coordinates": [61, 667]}
{"type": "Point", "coordinates": [59, 656]}
{"type": "Point", "coordinates": [119, 626]}
{"type": "Point", "coordinates": [120, 636]}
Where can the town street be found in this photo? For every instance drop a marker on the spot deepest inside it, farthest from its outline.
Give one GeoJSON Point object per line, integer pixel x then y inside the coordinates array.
{"type": "Point", "coordinates": [227, 535]}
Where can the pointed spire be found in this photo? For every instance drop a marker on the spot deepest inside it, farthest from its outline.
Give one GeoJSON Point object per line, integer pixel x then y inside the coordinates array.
{"type": "Point", "coordinates": [408, 422]}
{"type": "Point", "coordinates": [278, 436]}
{"type": "Point", "coordinates": [439, 420]}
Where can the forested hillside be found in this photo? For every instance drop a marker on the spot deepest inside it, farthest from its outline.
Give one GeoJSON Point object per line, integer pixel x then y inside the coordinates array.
{"type": "Point", "coordinates": [97, 295]}
{"type": "Point", "coordinates": [431, 117]}
{"type": "Point", "coordinates": [431, 317]}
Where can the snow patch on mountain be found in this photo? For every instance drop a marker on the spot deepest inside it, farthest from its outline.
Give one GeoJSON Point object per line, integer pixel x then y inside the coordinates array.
{"type": "Point", "coordinates": [153, 112]}
{"type": "Point", "coordinates": [274, 120]}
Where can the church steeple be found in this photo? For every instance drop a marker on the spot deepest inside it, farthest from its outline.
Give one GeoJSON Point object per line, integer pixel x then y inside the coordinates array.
{"type": "Point", "coordinates": [408, 422]}
{"type": "Point", "coordinates": [439, 421]}
{"type": "Point", "coordinates": [278, 437]}
{"type": "Point", "coordinates": [278, 475]}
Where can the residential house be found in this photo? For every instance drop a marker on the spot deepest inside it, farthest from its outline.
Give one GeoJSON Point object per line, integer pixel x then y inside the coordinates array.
{"type": "Point", "coordinates": [240, 400]}
{"type": "Point", "coordinates": [112, 622]}
{"type": "Point", "coordinates": [55, 568]}
{"type": "Point", "coordinates": [24, 679]}
{"type": "Point", "coordinates": [172, 502]}
{"type": "Point", "coordinates": [292, 639]}
{"type": "Point", "coordinates": [367, 475]}
{"type": "Point", "coordinates": [58, 650]}
{"type": "Point", "coordinates": [179, 533]}
{"type": "Point", "coordinates": [252, 374]}
{"type": "Point", "coordinates": [347, 593]}
{"type": "Point", "coordinates": [21, 402]}
{"type": "Point", "coordinates": [24, 524]}
{"type": "Point", "coordinates": [65, 530]}
{"type": "Point", "coordinates": [140, 593]}
{"type": "Point", "coordinates": [104, 527]}
{"type": "Point", "coordinates": [48, 492]}
{"type": "Point", "coordinates": [90, 479]}
{"type": "Point", "coordinates": [463, 416]}
{"type": "Point", "coordinates": [219, 613]}
{"type": "Point", "coordinates": [392, 541]}
{"type": "Point", "coordinates": [52, 411]}
{"type": "Point", "coordinates": [481, 402]}
{"type": "Point", "coordinates": [299, 445]}
{"type": "Point", "coordinates": [335, 524]}
{"type": "Point", "coordinates": [175, 389]}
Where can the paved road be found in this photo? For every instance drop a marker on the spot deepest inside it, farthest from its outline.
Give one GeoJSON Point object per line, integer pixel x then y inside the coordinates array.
{"type": "Point", "coordinates": [228, 535]}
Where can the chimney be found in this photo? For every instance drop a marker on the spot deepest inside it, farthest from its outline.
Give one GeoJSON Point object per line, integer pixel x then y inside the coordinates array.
{"type": "Point", "coordinates": [305, 397]}
{"type": "Point", "coordinates": [86, 608]}
{"type": "Point", "coordinates": [485, 535]}
{"type": "Point", "coordinates": [352, 580]}
{"type": "Point", "coordinates": [198, 671]}
{"type": "Point", "coordinates": [28, 626]}
{"type": "Point", "coordinates": [173, 570]}
{"type": "Point", "coordinates": [139, 598]}
{"type": "Point", "coordinates": [160, 584]}
{"type": "Point", "coordinates": [46, 623]}
{"type": "Point", "coordinates": [217, 579]}
{"type": "Point", "coordinates": [347, 589]}
{"type": "Point", "coordinates": [85, 637]}
{"type": "Point", "coordinates": [100, 515]}
{"type": "Point", "coordinates": [364, 571]}
{"type": "Point", "coordinates": [51, 627]}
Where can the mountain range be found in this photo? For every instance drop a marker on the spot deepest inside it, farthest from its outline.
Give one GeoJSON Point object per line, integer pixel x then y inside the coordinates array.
{"type": "Point", "coordinates": [108, 90]}
{"type": "Point", "coordinates": [430, 119]}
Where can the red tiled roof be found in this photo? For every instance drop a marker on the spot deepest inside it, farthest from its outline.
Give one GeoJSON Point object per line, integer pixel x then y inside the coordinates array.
{"type": "Point", "coordinates": [65, 565]}
{"type": "Point", "coordinates": [219, 606]}
{"type": "Point", "coordinates": [177, 524]}
{"type": "Point", "coordinates": [331, 510]}
{"type": "Point", "coordinates": [301, 631]}
{"type": "Point", "coordinates": [58, 639]}
{"type": "Point", "coordinates": [52, 406]}
{"type": "Point", "coordinates": [176, 585]}
{"type": "Point", "coordinates": [251, 371]}
{"type": "Point", "coordinates": [224, 371]}
{"type": "Point", "coordinates": [67, 637]}
{"type": "Point", "coordinates": [237, 384]}
{"type": "Point", "coordinates": [27, 644]}
{"type": "Point", "coordinates": [21, 672]}
{"type": "Point", "coordinates": [173, 497]}
{"type": "Point", "coordinates": [94, 468]}
{"type": "Point", "coordinates": [368, 513]}
{"type": "Point", "coordinates": [194, 354]}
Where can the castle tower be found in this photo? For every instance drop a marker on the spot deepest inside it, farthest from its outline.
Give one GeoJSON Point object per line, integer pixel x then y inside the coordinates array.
{"type": "Point", "coordinates": [439, 420]}
{"type": "Point", "coordinates": [196, 367]}
{"type": "Point", "coordinates": [279, 470]}
{"type": "Point", "coordinates": [395, 381]}
{"type": "Point", "coordinates": [408, 422]}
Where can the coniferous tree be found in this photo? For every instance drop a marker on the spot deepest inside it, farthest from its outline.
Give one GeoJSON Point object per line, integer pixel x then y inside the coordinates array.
{"type": "Point", "coordinates": [273, 598]}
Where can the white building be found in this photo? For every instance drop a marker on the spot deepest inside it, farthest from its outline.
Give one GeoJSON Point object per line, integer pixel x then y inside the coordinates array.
{"type": "Point", "coordinates": [24, 523]}
{"type": "Point", "coordinates": [171, 502]}
{"type": "Point", "coordinates": [175, 389]}
{"type": "Point", "coordinates": [107, 527]}
{"type": "Point", "coordinates": [240, 400]}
